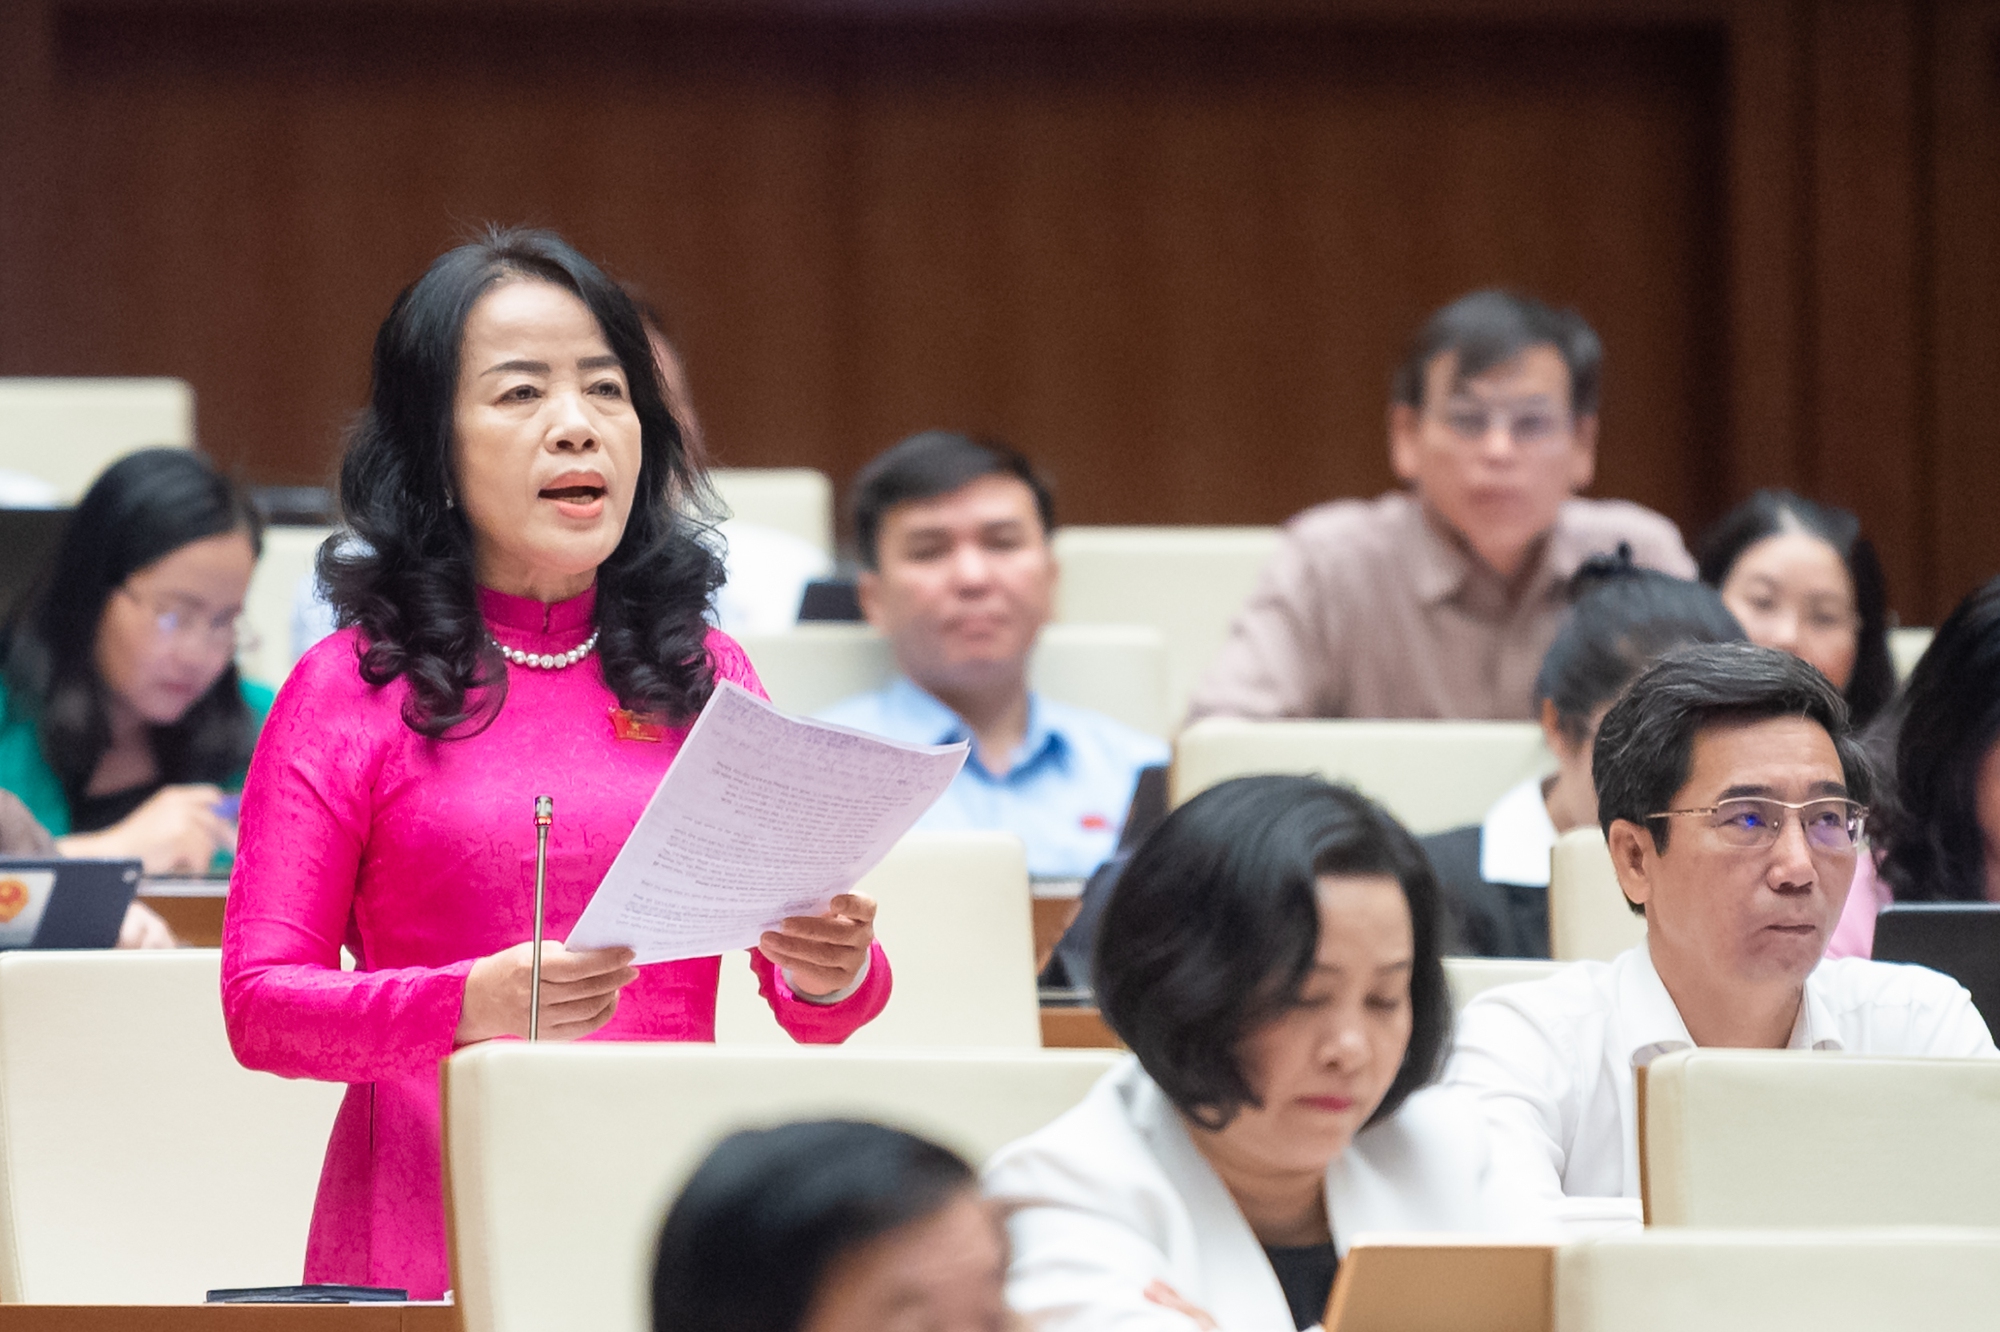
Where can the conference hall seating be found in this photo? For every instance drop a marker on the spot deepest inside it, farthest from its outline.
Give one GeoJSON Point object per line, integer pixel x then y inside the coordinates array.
{"type": "Point", "coordinates": [1589, 917]}
{"type": "Point", "coordinates": [563, 1159]}
{"type": "Point", "coordinates": [955, 920]}
{"type": "Point", "coordinates": [1432, 775]}
{"type": "Point", "coordinates": [139, 1162]}
{"type": "Point", "coordinates": [1116, 669]}
{"type": "Point", "coordinates": [798, 500]}
{"type": "Point", "coordinates": [1187, 582]}
{"type": "Point", "coordinates": [64, 431]}
{"type": "Point", "coordinates": [1793, 1138]}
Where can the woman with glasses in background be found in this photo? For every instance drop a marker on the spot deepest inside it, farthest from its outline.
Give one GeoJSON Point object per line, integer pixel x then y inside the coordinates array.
{"type": "Point", "coordinates": [123, 720]}
{"type": "Point", "coordinates": [1801, 578]}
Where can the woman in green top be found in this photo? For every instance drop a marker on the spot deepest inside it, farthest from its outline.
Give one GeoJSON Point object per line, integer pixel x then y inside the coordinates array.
{"type": "Point", "coordinates": [123, 719]}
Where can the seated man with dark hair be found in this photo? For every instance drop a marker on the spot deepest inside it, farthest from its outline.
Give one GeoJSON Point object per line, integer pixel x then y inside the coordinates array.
{"type": "Point", "coordinates": [957, 573]}
{"type": "Point", "coordinates": [1733, 797]}
{"type": "Point", "coordinates": [1439, 600]}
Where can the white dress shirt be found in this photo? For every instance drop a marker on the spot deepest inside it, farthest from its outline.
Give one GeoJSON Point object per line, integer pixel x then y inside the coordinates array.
{"type": "Point", "coordinates": [1551, 1062]}
{"type": "Point", "coordinates": [1114, 1195]}
{"type": "Point", "coordinates": [1517, 835]}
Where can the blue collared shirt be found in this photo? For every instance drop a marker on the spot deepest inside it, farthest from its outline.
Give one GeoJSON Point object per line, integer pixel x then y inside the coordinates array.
{"type": "Point", "coordinates": [1065, 795]}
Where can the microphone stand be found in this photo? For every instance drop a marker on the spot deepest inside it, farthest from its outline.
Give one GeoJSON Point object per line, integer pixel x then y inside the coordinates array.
{"type": "Point", "coordinates": [545, 814]}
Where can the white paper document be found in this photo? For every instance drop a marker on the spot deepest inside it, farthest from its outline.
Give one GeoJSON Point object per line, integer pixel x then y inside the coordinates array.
{"type": "Point", "coordinates": [762, 816]}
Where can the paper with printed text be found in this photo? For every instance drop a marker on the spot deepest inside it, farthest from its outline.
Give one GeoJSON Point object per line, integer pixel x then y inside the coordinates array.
{"type": "Point", "coordinates": [761, 816]}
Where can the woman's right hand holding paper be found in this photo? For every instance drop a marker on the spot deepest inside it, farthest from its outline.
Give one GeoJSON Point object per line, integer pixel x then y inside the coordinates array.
{"type": "Point", "coordinates": [579, 992]}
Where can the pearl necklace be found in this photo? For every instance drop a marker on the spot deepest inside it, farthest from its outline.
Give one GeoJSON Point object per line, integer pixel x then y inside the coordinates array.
{"type": "Point", "coordinates": [543, 661]}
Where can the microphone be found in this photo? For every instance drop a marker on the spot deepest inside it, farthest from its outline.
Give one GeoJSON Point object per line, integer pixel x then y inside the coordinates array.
{"type": "Point", "coordinates": [545, 814]}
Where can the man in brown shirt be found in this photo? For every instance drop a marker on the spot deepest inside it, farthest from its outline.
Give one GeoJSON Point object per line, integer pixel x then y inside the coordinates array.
{"type": "Point", "coordinates": [1440, 599]}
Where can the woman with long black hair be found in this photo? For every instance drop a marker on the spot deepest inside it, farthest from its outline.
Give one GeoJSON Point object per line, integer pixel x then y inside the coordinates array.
{"type": "Point", "coordinates": [523, 615]}
{"type": "Point", "coordinates": [124, 716]}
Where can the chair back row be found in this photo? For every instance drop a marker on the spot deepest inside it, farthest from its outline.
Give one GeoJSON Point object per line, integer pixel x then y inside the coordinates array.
{"type": "Point", "coordinates": [1116, 669]}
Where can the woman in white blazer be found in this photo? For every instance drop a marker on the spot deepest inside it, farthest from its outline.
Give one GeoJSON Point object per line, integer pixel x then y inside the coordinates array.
{"type": "Point", "coordinates": [1270, 955]}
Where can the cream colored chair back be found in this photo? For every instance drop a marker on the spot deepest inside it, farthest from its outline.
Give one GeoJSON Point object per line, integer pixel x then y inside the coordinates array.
{"type": "Point", "coordinates": [1589, 917]}
{"type": "Point", "coordinates": [1793, 1138]}
{"type": "Point", "coordinates": [1432, 775]}
{"type": "Point", "coordinates": [1469, 977]}
{"type": "Point", "coordinates": [140, 1163]}
{"type": "Point", "coordinates": [1187, 582]}
{"type": "Point", "coordinates": [798, 500]}
{"type": "Point", "coordinates": [66, 431]}
{"type": "Point", "coordinates": [1116, 669]}
{"type": "Point", "coordinates": [957, 921]}
{"type": "Point", "coordinates": [1907, 648]}
{"type": "Point", "coordinates": [1940, 1280]}
{"type": "Point", "coordinates": [564, 1158]}
{"type": "Point", "coordinates": [288, 556]}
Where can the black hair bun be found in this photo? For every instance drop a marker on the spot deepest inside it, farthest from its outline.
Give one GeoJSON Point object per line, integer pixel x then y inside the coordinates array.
{"type": "Point", "coordinates": [1601, 569]}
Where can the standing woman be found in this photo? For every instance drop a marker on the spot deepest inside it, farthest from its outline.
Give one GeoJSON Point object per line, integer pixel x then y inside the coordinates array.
{"type": "Point", "coordinates": [123, 717]}
{"type": "Point", "coordinates": [527, 585]}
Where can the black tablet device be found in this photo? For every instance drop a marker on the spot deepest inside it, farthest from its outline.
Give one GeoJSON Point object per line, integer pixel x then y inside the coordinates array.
{"type": "Point", "coordinates": [1961, 939]}
{"type": "Point", "coordinates": [64, 903]}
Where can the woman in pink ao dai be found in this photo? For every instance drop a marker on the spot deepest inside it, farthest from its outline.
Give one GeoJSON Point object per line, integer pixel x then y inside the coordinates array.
{"type": "Point", "coordinates": [525, 608]}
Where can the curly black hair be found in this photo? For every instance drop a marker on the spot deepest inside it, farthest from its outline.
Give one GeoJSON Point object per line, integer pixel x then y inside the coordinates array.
{"type": "Point", "coordinates": [405, 575]}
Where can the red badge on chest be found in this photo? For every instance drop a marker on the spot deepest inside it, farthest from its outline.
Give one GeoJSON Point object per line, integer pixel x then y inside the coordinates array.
{"type": "Point", "coordinates": [1095, 823]}
{"type": "Point", "coordinates": [632, 726]}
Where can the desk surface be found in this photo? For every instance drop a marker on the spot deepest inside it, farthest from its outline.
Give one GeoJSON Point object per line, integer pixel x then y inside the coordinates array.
{"type": "Point", "coordinates": [228, 1318]}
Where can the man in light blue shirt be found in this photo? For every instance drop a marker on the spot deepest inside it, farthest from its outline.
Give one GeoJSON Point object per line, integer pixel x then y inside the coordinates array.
{"type": "Point", "coordinates": [959, 576]}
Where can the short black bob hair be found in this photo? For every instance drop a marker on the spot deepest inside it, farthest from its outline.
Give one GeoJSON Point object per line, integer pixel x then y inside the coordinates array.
{"type": "Point", "coordinates": [766, 1216]}
{"type": "Point", "coordinates": [143, 508]}
{"type": "Point", "coordinates": [408, 582]}
{"type": "Point", "coordinates": [1770, 513]}
{"type": "Point", "coordinates": [1646, 743]}
{"type": "Point", "coordinates": [1622, 618]}
{"type": "Point", "coordinates": [1214, 926]}
{"type": "Point", "coordinates": [1490, 328]}
{"type": "Point", "coordinates": [1929, 828]}
{"type": "Point", "coordinates": [929, 464]}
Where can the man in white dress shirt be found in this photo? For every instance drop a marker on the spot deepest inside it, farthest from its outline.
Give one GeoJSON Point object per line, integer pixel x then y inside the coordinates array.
{"type": "Point", "coordinates": [1733, 797]}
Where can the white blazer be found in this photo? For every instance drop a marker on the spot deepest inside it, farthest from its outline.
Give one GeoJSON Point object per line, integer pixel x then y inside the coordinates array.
{"type": "Point", "coordinates": [1114, 1194]}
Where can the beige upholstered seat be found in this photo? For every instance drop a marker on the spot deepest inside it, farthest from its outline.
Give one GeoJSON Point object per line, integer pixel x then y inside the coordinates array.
{"type": "Point", "coordinates": [563, 1159]}
{"type": "Point", "coordinates": [1116, 669]}
{"type": "Point", "coordinates": [1432, 775]}
{"type": "Point", "coordinates": [288, 556]}
{"type": "Point", "coordinates": [1793, 1138]}
{"type": "Point", "coordinates": [1589, 917]}
{"type": "Point", "coordinates": [1470, 976]}
{"type": "Point", "coordinates": [140, 1162]}
{"type": "Point", "coordinates": [1906, 649]}
{"type": "Point", "coordinates": [798, 500]}
{"type": "Point", "coordinates": [957, 922]}
{"type": "Point", "coordinates": [1938, 1280]}
{"type": "Point", "coordinates": [1187, 582]}
{"type": "Point", "coordinates": [66, 431]}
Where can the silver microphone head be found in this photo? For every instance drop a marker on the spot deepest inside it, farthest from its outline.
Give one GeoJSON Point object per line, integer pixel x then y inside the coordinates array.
{"type": "Point", "coordinates": [545, 811]}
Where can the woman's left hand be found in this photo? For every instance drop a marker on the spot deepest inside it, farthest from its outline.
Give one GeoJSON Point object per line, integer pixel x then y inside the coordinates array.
{"type": "Point", "coordinates": [823, 954]}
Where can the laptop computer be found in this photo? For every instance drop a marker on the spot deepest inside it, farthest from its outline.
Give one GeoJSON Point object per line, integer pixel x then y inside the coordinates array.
{"type": "Point", "coordinates": [1961, 939]}
{"type": "Point", "coordinates": [28, 539]}
{"type": "Point", "coordinates": [64, 903]}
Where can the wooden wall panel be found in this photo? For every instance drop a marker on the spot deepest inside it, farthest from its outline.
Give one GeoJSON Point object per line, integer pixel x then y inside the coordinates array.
{"type": "Point", "coordinates": [1173, 259]}
{"type": "Point", "coordinates": [1171, 247]}
{"type": "Point", "coordinates": [1964, 481]}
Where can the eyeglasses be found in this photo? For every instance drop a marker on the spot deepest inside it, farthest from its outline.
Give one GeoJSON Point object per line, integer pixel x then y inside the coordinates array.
{"type": "Point", "coordinates": [1528, 428]}
{"type": "Point", "coordinates": [1753, 823]}
{"type": "Point", "coordinates": [182, 626]}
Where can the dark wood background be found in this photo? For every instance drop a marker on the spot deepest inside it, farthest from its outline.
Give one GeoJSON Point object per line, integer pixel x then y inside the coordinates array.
{"type": "Point", "coordinates": [1171, 248]}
